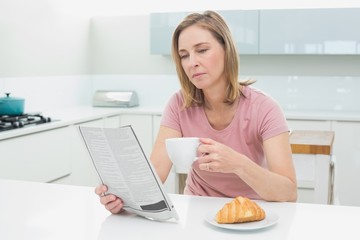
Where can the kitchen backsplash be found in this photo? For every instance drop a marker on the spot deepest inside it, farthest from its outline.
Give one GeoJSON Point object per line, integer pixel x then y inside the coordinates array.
{"type": "Point", "coordinates": [46, 94]}
{"type": "Point", "coordinates": [294, 93]}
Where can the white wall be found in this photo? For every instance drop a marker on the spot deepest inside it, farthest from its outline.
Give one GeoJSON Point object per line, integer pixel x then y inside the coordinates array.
{"type": "Point", "coordinates": [43, 37]}
{"type": "Point", "coordinates": [121, 45]}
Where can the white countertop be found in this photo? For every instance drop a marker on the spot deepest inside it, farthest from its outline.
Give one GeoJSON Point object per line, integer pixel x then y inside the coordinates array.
{"type": "Point", "coordinates": [323, 115]}
{"type": "Point", "coordinates": [36, 211]}
{"type": "Point", "coordinates": [78, 114]}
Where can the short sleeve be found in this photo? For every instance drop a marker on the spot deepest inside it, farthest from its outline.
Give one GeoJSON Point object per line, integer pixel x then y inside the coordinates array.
{"type": "Point", "coordinates": [171, 117]}
{"type": "Point", "coordinates": [271, 118]}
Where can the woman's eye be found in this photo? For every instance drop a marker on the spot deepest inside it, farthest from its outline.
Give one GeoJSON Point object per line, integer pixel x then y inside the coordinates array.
{"type": "Point", "coordinates": [183, 56]}
{"type": "Point", "coordinates": [202, 50]}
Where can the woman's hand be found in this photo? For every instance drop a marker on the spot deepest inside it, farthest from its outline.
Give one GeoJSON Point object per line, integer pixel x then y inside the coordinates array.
{"type": "Point", "coordinates": [217, 157]}
{"type": "Point", "coordinates": [110, 201]}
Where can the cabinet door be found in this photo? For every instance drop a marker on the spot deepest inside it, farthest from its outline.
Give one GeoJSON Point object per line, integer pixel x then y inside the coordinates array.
{"type": "Point", "coordinates": [243, 26]}
{"type": "Point", "coordinates": [320, 125]}
{"type": "Point", "coordinates": [347, 166]}
{"type": "Point", "coordinates": [41, 157]}
{"type": "Point", "coordinates": [309, 31]}
{"type": "Point", "coordinates": [83, 171]}
{"type": "Point", "coordinates": [162, 26]}
{"type": "Point", "coordinates": [112, 122]}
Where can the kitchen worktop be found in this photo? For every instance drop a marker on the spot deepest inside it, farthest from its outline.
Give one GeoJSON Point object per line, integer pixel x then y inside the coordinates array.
{"type": "Point", "coordinates": [78, 114]}
{"type": "Point", "coordinates": [69, 116]}
{"type": "Point", "coordinates": [36, 211]}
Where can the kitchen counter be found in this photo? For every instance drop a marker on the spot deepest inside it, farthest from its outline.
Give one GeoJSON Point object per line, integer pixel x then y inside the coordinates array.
{"type": "Point", "coordinates": [35, 211]}
{"type": "Point", "coordinates": [78, 114]}
{"type": "Point", "coordinates": [336, 115]}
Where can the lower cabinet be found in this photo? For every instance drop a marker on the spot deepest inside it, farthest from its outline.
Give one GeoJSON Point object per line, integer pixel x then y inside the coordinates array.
{"type": "Point", "coordinates": [83, 172]}
{"type": "Point", "coordinates": [347, 166]}
{"type": "Point", "coordinates": [41, 157]}
{"type": "Point", "coordinates": [82, 169]}
{"type": "Point", "coordinates": [58, 155]}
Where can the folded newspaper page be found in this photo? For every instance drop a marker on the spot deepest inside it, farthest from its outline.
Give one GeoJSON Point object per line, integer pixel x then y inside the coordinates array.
{"type": "Point", "coordinates": [123, 167]}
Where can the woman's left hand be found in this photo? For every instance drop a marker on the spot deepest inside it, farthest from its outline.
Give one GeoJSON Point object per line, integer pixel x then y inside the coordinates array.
{"type": "Point", "coordinates": [217, 157]}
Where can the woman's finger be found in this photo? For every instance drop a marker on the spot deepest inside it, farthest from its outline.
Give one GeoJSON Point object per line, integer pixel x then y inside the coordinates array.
{"type": "Point", "coordinates": [107, 199]}
{"type": "Point", "coordinates": [115, 206]}
{"type": "Point", "coordinates": [100, 190]}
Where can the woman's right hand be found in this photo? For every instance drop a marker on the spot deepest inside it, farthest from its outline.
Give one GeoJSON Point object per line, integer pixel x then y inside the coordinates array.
{"type": "Point", "coordinates": [110, 201]}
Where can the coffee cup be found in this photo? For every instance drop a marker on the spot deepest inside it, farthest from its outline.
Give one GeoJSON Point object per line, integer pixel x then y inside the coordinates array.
{"type": "Point", "coordinates": [182, 152]}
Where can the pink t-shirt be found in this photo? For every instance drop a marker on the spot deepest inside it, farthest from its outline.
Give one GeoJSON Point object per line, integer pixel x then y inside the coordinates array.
{"type": "Point", "coordinates": [258, 117]}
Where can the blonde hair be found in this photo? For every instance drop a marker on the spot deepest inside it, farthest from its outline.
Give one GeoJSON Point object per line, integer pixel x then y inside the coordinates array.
{"type": "Point", "coordinates": [214, 23]}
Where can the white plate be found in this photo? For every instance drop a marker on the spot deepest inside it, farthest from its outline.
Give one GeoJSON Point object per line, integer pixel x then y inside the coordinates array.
{"type": "Point", "coordinates": [270, 219]}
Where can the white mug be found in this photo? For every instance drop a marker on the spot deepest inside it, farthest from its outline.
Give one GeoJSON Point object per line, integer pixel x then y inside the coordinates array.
{"type": "Point", "coordinates": [182, 152]}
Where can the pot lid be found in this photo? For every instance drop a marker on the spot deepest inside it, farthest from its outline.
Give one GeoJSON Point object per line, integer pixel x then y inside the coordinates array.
{"type": "Point", "coordinates": [8, 98]}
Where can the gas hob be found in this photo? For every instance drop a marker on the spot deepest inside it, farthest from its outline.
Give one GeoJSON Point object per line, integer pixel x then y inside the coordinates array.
{"type": "Point", "coordinates": [28, 119]}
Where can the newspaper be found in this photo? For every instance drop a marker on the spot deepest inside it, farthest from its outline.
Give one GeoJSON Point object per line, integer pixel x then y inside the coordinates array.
{"type": "Point", "coordinates": [123, 167]}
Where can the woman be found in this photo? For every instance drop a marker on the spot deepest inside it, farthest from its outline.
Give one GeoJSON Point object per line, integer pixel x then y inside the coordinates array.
{"type": "Point", "coordinates": [243, 132]}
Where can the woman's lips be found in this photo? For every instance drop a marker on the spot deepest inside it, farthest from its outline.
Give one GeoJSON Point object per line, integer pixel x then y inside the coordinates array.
{"type": "Point", "coordinates": [195, 75]}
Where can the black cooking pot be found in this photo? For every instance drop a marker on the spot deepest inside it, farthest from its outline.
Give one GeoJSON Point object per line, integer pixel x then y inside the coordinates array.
{"type": "Point", "coordinates": [11, 105]}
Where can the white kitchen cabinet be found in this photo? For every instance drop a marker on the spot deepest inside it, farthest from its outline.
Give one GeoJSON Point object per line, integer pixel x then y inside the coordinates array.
{"type": "Point", "coordinates": [243, 25]}
{"type": "Point", "coordinates": [41, 156]}
{"type": "Point", "coordinates": [112, 121]}
{"type": "Point", "coordinates": [83, 172]}
{"type": "Point", "coordinates": [347, 152]}
{"type": "Point", "coordinates": [82, 169]}
{"type": "Point", "coordinates": [162, 26]}
{"type": "Point", "coordinates": [310, 31]}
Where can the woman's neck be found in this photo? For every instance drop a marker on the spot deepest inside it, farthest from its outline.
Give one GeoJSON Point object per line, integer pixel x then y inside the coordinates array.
{"type": "Point", "coordinates": [214, 99]}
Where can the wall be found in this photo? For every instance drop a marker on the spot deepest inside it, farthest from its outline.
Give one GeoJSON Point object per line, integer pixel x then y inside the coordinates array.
{"type": "Point", "coordinates": [121, 45]}
{"type": "Point", "coordinates": [42, 37]}
{"type": "Point", "coordinates": [48, 93]}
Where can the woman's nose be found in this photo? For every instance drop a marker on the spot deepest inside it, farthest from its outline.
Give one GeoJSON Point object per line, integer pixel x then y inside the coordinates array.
{"type": "Point", "coordinates": [193, 60]}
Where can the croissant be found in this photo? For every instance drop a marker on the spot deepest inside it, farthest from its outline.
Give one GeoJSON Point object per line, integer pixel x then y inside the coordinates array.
{"type": "Point", "coordinates": [240, 210]}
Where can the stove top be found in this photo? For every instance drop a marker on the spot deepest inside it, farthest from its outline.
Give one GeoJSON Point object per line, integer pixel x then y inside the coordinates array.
{"type": "Point", "coordinates": [19, 121]}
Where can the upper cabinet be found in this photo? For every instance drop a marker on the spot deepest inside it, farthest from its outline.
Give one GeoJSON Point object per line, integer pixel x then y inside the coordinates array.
{"type": "Point", "coordinates": [162, 26]}
{"type": "Point", "coordinates": [243, 24]}
{"type": "Point", "coordinates": [310, 31]}
{"type": "Point", "coordinates": [285, 31]}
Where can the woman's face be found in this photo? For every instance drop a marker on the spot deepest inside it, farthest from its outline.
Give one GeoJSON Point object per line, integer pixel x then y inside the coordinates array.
{"type": "Point", "coordinates": [202, 57]}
